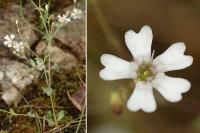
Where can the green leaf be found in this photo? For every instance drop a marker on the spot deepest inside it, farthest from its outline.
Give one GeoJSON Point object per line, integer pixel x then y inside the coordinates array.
{"type": "Point", "coordinates": [32, 62]}
{"type": "Point", "coordinates": [50, 122]}
{"type": "Point", "coordinates": [12, 111]}
{"type": "Point", "coordinates": [47, 90]}
{"type": "Point", "coordinates": [49, 118]}
{"type": "Point", "coordinates": [55, 67]}
{"type": "Point", "coordinates": [60, 115]}
{"type": "Point", "coordinates": [31, 114]}
{"type": "Point", "coordinates": [39, 60]}
{"type": "Point", "coordinates": [49, 114]}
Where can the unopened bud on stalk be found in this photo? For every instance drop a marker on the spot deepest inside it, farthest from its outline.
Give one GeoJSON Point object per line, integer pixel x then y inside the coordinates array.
{"type": "Point", "coordinates": [116, 102]}
{"type": "Point", "coordinates": [46, 7]}
{"type": "Point", "coordinates": [16, 21]}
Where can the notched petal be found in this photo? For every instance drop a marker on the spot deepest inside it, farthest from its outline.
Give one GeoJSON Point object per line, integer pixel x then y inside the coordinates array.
{"type": "Point", "coordinates": [171, 88]}
{"type": "Point", "coordinates": [139, 44]}
{"type": "Point", "coordinates": [173, 59]}
{"type": "Point", "coordinates": [116, 68]}
{"type": "Point", "coordinates": [142, 98]}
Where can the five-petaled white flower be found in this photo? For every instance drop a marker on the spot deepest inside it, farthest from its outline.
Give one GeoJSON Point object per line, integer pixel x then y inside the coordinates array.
{"type": "Point", "coordinates": [64, 18]}
{"type": "Point", "coordinates": [148, 73]}
{"type": "Point", "coordinates": [9, 40]}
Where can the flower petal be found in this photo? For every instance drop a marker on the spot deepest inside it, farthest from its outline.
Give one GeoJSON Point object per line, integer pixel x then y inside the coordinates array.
{"type": "Point", "coordinates": [171, 88]}
{"type": "Point", "coordinates": [12, 36]}
{"type": "Point", "coordinates": [116, 68]}
{"type": "Point", "coordinates": [142, 98]}
{"type": "Point", "coordinates": [173, 59]}
{"type": "Point", "coordinates": [139, 44]}
{"type": "Point", "coordinates": [7, 37]}
{"type": "Point", "coordinates": [6, 42]}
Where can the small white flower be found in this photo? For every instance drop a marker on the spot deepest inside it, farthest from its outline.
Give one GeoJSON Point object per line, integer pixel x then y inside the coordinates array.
{"type": "Point", "coordinates": [76, 13]}
{"type": "Point", "coordinates": [148, 73]}
{"type": "Point", "coordinates": [16, 22]}
{"type": "Point", "coordinates": [9, 40]}
{"type": "Point", "coordinates": [18, 46]}
{"type": "Point", "coordinates": [63, 19]}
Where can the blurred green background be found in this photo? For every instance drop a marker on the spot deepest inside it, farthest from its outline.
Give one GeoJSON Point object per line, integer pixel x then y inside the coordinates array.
{"type": "Point", "coordinates": [171, 21]}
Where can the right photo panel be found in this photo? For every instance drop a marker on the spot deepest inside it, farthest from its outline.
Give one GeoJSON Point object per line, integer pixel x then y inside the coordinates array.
{"type": "Point", "coordinates": [142, 66]}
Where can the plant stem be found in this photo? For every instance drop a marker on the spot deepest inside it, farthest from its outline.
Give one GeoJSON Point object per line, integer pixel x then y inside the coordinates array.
{"type": "Point", "coordinates": [82, 114]}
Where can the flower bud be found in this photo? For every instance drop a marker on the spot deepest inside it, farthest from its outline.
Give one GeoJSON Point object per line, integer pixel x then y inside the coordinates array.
{"type": "Point", "coordinates": [116, 102]}
{"type": "Point", "coordinates": [16, 21]}
{"type": "Point", "coordinates": [46, 7]}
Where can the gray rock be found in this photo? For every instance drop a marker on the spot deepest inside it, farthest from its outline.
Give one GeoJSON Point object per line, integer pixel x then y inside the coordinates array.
{"type": "Point", "coordinates": [72, 37]}
{"type": "Point", "coordinates": [16, 77]}
{"type": "Point", "coordinates": [11, 95]}
{"type": "Point", "coordinates": [64, 60]}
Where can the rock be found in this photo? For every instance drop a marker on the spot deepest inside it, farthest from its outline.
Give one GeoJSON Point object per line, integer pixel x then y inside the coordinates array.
{"type": "Point", "coordinates": [65, 60]}
{"type": "Point", "coordinates": [72, 37]}
{"type": "Point", "coordinates": [16, 77]}
{"type": "Point", "coordinates": [11, 95]}
{"type": "Point", "coordinates": [40, 48]}
{"type": "Point", "coordinates": [8, 17]}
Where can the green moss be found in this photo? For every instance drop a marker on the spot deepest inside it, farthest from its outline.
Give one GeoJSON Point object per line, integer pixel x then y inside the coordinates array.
{"type": "Point", "coordinates": [62, 81]}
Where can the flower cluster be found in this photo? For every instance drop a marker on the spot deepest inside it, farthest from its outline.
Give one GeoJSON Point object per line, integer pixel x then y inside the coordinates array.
{"type": "Point", "coordinates": [17, 47]}
{"type": "Point", "coordinates": [74, 14]}
{"type": "Point", "coordinates": [148, 73]}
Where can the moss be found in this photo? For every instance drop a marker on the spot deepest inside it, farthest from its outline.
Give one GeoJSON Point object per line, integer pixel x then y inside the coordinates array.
{"type": "Point", "coordinates": [62, 81]}
{"type": "Point", "coordinates": [24, 125]}
{"type": "Point", "coordinates": [65, 81]}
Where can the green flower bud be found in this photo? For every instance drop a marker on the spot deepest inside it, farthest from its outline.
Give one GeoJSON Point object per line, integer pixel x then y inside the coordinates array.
{"type": "Point", "coordinates": [116, 102]}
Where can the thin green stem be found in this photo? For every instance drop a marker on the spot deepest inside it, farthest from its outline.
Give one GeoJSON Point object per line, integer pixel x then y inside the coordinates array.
{"type": "Point", "coordinates": [41, 15]}
{"type": "Point", "coordinates": [37, 116]}
{"type": "Point", "coordinates": [82, 114]}
{"type": "Point", "coordinates": [107, 30]}
{"type": "Point", "coordinates": [24, 19]}
{"type": "Point", "coordinates": [15, 114]}
{"type": "Point", "coordinates": [58, 28]}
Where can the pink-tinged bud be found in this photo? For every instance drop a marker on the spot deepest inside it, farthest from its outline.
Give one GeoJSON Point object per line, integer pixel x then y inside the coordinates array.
{"type": "Point", "coordinates": [116, 102]}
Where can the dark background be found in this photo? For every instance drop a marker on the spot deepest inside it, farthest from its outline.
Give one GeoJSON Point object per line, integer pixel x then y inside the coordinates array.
{"type": "Point", "coordinates": [171, 21]}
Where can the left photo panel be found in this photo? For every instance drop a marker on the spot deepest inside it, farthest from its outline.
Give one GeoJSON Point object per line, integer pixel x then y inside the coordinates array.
{"type": "Point", "coordinates": [42, 66]}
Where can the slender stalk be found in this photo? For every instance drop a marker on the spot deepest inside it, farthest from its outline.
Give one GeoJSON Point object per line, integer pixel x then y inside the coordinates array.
{"type": "Point", "coordinates": [24, 19]}
{"type": "Point", "coordinates": [107, 30]}
{"type": "Point", "coordinates": [82, 114]}
{"type": "Point", "coordinates": [37, 116]}
{"type": "Point", "coordinates": [15, 114]}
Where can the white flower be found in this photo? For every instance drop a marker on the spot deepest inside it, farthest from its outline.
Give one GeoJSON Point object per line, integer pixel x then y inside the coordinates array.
{"type": "Point", "coordinates": [17, 47]}
{"type": "Point", "coordinates": [76, 13]}
{"type": "Point", "coordinates": [63, 19]}
{"type": "Point", "coordinates": [9, 40]}
{"type": "Point", "coordinates": [148, 73]}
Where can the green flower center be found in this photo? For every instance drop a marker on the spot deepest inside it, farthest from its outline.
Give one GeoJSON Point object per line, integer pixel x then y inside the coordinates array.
{"type": "Point", "coordinates": [144, 72]}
